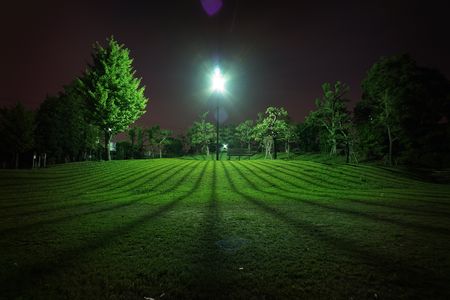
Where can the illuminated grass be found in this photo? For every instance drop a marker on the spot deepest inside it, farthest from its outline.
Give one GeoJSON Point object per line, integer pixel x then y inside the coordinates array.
{"type": "Point", "coordinates": [228, 229]}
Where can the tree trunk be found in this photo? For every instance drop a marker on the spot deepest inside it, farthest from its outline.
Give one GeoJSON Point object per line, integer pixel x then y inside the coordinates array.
{"type": "Point", "coordinates": [347, 150]}
{"type": "Point", "coordinates": [17, 160]}
{"type": "Point", "coordinates": [107, 141]}
{"type": "Point", "coordinates": [160, 152]}
{"type": "Point", "coordinates": [274, 148]}
{"type": "Point", "coordinates": [207, 150]}
{"type": "Point", "coordinates": [333, 147]}
{"type": "Point", "coordinates": [248, 146]}
{"type": "Point", "coordinates": [390, 145]}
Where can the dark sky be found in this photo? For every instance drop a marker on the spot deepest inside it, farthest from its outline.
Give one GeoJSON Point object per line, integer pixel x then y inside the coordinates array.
{"type": "Point", "coordinates": [275, 52]}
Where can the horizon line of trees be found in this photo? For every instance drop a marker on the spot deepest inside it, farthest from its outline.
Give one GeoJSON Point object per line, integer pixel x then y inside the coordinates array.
{"type": "Point", "coordinates": [403, 117]}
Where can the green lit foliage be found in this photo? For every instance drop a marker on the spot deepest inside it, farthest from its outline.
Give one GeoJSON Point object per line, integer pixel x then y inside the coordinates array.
{"type": "Point", "coordinates": [244, 133]}
{"type": "Point", "coordinates": [114, 95]}
{"type": "Point", "coordinates": [63, 131]}
{"type": "Point", "coordinates": [290, 135]}
{"type": "Point", "coordinates": [16, 132]}
{"type": "Point", "coordinates": [331, 114]}
{"type": "Point", "coordinates": [202, 133]}
{"type": "Point", "coordinates": [158, 139]}
{"type": "Point", "coordinates": [269, 128]}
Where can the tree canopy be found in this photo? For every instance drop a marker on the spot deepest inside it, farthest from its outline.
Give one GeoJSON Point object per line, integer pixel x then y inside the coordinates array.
{"type": "Point", "coordinates": [113, 93]}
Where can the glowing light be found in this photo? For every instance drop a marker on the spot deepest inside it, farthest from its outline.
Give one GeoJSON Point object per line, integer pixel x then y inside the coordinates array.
{"type": "Point", "coordinates": [218, 82]}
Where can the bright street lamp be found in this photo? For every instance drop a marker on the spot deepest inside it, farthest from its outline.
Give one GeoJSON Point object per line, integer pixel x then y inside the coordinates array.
{"type": "Point", "coordinates": [218, 87]}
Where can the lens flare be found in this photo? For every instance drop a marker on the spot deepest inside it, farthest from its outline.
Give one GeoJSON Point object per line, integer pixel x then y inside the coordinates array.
{"type": "Point", "coordinates": [211, 7]}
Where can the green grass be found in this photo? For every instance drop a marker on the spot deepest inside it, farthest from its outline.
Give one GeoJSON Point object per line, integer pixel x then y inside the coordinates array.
{"type": "Point", "coordinates": [250, 229]}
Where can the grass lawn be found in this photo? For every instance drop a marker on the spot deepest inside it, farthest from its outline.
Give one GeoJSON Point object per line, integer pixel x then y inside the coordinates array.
{"type": "Point", "coordinates": [249, 229]}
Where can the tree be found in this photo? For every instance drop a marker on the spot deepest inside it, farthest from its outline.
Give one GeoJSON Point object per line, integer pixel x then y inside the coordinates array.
{"type": "Point", "coordinates": [159, 138]}
{"type": "Point", "coordinates": [113, 94]}
{"type": "Point", "coordinates": [136, 136]}
{"type": "Point", "coordinates": [409, 104]}
{"type": "Point", "coordinates": [227, 135]}
{"type": "Point", "coordinates": [270, 128]}
{"type": "Point", "coordinates": [244, 133]}
{"type": "Point", "coordinates": [202, 133]}
{"type": "Point", "coordinates": [16, 129]}
{"type": "Point", "coordinates": [331, 113]}
{"type": "Point", "coordinates": [289, 135]}
{"type": "Point", "coordinates": [132, 136]}
{"type": "Point", "coordinates": [63, 131]}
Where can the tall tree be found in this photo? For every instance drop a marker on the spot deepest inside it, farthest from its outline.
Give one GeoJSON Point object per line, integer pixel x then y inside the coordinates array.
{"type": "Point", "coordinates": [270, 127]}
{"type": "Point", "coordinates": [331, 113]}
{"type": "Point", "coordinates": [132, 136]}
{"type": "Point", "coordinates": [408, 103]}
{"type": "Point", "coordinates": [159, 138]}
{"type": "Point", "coordinates": [202, 133]}
{"type": "Point", "coordinates": [244, 132]}
{"type": "Point", "coordinates": [16, 126]}
{"type": "Point", "coordinates": [113, 93]}
{"type": "Point", "coordinates": [289, 135]}
{"type": "Point", "coordinates": [63, 131]}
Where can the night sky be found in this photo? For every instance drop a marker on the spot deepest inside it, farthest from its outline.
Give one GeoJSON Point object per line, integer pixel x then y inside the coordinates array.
{"type": "Point", "coordinates": [275, 52]}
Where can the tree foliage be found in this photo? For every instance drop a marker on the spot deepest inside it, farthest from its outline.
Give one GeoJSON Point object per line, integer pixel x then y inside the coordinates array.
{"type": "Point", "coordinates": [244, 133]}
{"type": "Point", "coordinates": [113, 93]}
{"type": "Point", "coordinates": [406, 104]}
{"type": "Point", "coordinates": [16, 132]}
{"type": "Point", "coordinates": [63, 131]}
{"type": "Point", "coordinates": [269, 128]}
{"type": "Point", "coordinates": [202, 133]}
{"type": "Point", "coordinates": [331, 114]}
{"type": "Point", "coordinates": [158, 139]}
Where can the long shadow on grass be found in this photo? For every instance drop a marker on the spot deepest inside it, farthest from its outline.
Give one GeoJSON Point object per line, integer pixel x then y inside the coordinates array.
{"type": "Point", "coordinates": [68, 191]}
{"type": "Point", "coordinates": [416, 278]}
{"type": "Point", "coordinates": [208, 276]}
{"type": "Point", "coordinates": [111, 193]}
{"type": "Point", "coordinates": [316, 180]}
{"type": "Point", "coordinates": [35, 225]}
{"type": "Point", "coordinates": [31, 275]}
{"type": "Point", "coordinates": [312, 183]}
{"type": "Point", "coordinates": [361, 214]}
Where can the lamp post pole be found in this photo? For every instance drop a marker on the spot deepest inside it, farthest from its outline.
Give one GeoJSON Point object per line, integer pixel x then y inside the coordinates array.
{"type": "Point", "coordinates": [217, 129]}
{"type": "Point", "coordinates": [218, 87]}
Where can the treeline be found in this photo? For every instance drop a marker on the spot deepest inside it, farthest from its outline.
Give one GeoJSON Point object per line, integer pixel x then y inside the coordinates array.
{"type": "Point", "coordinates": [402, 118]}
{"type": "Point", "coordinates": [72, 126]}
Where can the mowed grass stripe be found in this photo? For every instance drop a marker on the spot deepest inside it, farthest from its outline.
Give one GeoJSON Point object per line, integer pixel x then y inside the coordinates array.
{"type": "Point", "coordinates": [111, 195]}
{"type": "Point", "coordinates": [83, 182]}
{"type": "Point", "coordinates": [311, 181]}
{"type": "Point", "coordinates": [63, 195]}
{"type": "Point", "coordinates": [14, 227]}
{"type": "Point", "coordinates": [339, 207]}
{"type": "Point", "coordinates": [375, 174]}
{"type": "Point", "coordinates": [337, 171]}
{"type": "Point", "coordinates": [353, 195]}
{"type": "Point", "coordinates": [328, 175]}
{"type": "Point", "coordinates": [350, 248]}
{"type": "Point", "coordinates": [66, 258]}
{"type": "Point", "coordinates": [80, 189]}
